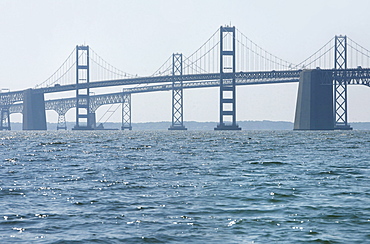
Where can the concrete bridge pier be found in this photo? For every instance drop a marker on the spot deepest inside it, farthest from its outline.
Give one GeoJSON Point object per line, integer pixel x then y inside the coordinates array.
{"type": "Point", "coordinates": [34, 117]}
{"type": "Point", "coordinates": [90, 123]}
{"type": "Point", "coordinates": [314, 110]}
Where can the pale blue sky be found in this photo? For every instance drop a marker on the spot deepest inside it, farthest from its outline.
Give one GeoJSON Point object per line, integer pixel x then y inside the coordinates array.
{"type": "Point", "coordinates": [138, 36]}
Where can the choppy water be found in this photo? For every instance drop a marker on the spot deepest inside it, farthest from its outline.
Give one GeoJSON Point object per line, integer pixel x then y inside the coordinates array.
{"type": "Point", "coordinates": [185, 187]}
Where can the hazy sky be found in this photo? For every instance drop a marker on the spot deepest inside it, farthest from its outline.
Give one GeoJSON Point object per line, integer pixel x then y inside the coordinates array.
{"type": "Point", "coordinates": [138, 36]}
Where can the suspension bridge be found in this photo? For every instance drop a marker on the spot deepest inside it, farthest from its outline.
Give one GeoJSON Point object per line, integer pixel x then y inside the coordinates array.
{"type": "Point", "coordinates": [226, 60]}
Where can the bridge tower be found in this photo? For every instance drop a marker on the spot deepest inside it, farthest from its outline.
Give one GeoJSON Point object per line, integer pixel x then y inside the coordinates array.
{"type": "Point", "coordinates": [177, 94]}
{"type": "Point", "coordinates": [5, 118]}
{"type": "Point", "coordinates": [227, 85]}
{"type": "Point", "coordinates": [126, 111]}
{"type": "Point", "coordinates": [83, 116]}
{"type": "Point", "coordinates": [62, 124]}
{"type": "Point", "coordinates": [340, 85]}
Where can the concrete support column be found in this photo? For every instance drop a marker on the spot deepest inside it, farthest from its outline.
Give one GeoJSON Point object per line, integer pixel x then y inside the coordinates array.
{"type": "Point", "coordinates": [314, 110]}
{"type": "Point", "coordinates": [34, 117]}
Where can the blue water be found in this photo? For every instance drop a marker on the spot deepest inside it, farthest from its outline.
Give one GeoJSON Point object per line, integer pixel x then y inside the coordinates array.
{"type": "Point", "coordinates": [185, 187]}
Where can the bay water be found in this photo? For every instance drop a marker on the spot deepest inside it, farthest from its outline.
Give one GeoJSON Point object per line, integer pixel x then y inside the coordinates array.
{"type": "Point", "coordinates": [185, 187]}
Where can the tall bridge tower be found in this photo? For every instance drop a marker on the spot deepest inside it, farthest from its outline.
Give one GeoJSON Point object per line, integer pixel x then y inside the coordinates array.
{"type": "Point", "coordinates": [83, 115]}
{"type": "Point", "coordinates": [340, 85]}
{"type": "Point", "coordinates": [227, 85]}
{"type": "Point", "coordinates": [177, 94]}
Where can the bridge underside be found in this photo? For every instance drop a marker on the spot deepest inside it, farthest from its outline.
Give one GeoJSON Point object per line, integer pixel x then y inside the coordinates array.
{"type": "Point", "coordinates": [314, 110]}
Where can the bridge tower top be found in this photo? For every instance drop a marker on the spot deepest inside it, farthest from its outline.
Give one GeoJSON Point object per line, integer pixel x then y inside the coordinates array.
{"type": "Point", "coordinates": [340, 53]}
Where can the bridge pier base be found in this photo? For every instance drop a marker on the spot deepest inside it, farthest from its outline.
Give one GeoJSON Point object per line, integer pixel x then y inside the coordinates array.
{"type": "Point", "coordinates": [314, 110]}
{"type": "Point", "coordinates": [34, 117]}
{"type": "Point", "coordinates": [223, 126]}
{"type": "Point", "coordinates": [177, 127]}
{"type": "Point", "coordinates": [91, 123]}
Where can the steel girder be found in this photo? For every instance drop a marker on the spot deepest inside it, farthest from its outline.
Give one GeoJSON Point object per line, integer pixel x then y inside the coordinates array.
{"type": "Point", "coordinates": [6, 101]}
{"type": "Point", "coordinates": [99, 100]}
{"type": "Point", "coordinates": [357, 76]}
{"type": "Point", "coordinates": [16, 108]}
{"type": "Point", "coordinates": [8, 98]}
{"type": "Point", "coordinates": [61, 106]}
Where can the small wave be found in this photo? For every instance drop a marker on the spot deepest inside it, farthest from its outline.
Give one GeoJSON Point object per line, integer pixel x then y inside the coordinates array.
{"type": "Point", "coordinates": [268, 163]}
{"type": "Point", "coordinates": [234, 222]}
{"type": "Point", "coordinates": [141, 147]}
{"type": "Point", "coordinates": [52, 143]}
{"type": "Point", "coordinates": [11, 160]}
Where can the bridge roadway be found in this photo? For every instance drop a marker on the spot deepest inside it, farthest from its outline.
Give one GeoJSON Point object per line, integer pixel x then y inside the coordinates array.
{"type": "Point", "coordinates": [97, 100]}
{"type": "Point", "coordinates": [351, 76]}
{"type": "Point", "coordinates": [16, 96]}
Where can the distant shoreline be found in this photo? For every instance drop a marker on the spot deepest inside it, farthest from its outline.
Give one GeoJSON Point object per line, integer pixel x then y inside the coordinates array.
{"type": "Point", "coordinates": [192, 125]}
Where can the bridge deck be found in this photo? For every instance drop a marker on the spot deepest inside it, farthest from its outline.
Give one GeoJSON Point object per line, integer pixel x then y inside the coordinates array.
{"type": "Point", "coordinates": [164, 83]}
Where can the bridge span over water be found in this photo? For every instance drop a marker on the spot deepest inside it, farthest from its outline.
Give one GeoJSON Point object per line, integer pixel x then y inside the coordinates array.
{"type": "Point", "coordinates": [224, 61]}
